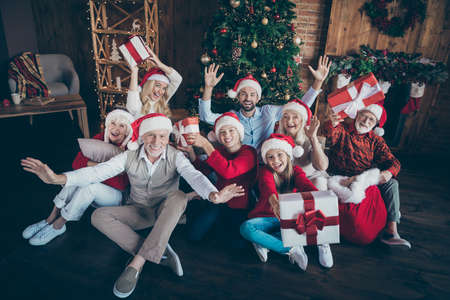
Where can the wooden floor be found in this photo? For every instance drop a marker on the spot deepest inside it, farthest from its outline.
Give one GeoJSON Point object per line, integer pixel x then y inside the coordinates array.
{"type": "Point", "coordinates": [83, 264]}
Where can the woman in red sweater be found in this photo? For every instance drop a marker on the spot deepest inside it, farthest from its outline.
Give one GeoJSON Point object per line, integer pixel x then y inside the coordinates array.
{"type": "Point", "coordinates": [278, 176]}
{"type": "Point", "coordinates": [71, 202]}
{"type": "Point", "coordinates": [232, 162]}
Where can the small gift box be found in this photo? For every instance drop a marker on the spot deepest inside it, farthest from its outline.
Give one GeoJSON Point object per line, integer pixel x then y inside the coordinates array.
{"type": "Point", "coordinates": [135, 50]}
{"type": "Point", "coordinates": [183, 128]}
{"type": "Point", "coordinates": [310, 218]}
{"type": "Point", "coordinates": [362, 92]}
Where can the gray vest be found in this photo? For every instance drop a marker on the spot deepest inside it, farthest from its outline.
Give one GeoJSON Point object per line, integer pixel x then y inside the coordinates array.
{"type": "Point", "coordinates": [149, 190]}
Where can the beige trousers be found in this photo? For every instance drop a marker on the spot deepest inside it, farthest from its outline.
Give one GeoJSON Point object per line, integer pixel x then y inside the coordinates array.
{"type": "Point", "coordinates": [119, 224]}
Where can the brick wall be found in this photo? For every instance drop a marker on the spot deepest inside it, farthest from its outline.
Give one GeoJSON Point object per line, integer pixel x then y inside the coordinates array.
{"type": "Point", "coordinates": [311, 26]}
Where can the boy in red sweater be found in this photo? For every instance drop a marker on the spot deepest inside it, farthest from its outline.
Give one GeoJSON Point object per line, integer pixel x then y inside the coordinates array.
{"type": "Point", "coordinates": [71, 202]}
{"type": "Point", "coordinates": [232, 162]}
{"type": "Point", "coordinates": [279, 176]}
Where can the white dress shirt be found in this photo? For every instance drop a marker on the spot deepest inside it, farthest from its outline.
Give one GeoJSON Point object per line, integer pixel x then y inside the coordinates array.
{"type": "Point", "coordinates": [116, 165]}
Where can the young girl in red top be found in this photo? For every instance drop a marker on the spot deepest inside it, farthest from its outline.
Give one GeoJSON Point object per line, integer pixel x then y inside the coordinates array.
{"type": "Point", "coordinates": [278, 176]}
{"type": "Point", "coordinates": [71, 202]}
{"type": "Point", "coordinates": [232, 162]}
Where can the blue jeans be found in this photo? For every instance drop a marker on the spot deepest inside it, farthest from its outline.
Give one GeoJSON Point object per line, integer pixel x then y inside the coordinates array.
{"type": "Point", "coordinates": [202, 215]}
{"type": "Point", "coordinates": [264, 231]}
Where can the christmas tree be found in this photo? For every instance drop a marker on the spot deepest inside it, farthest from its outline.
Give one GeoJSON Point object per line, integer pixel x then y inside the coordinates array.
{"type": "Point", "coordinates": [115, 56]}
{"type": "Point", "coordinates": [252, 37]}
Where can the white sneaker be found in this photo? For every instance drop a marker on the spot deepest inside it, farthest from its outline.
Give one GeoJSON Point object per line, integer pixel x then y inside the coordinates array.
{"type": "Point", "coordinates": [261, 251]}
{"type": "Point", "coordinates": [297, 254]}
{"type": "Point", "coordinates": [33, 229]}
{"type": "Point", "coordinates": [325, 256]}
{"type": "Point", "coordinates": [172, 261]}
{"type": "Point", "coordinates": [47, 234]}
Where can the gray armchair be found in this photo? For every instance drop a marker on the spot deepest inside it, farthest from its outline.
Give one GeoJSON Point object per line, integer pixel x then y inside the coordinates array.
{"type": "Point", "coordinates": [59, 74]}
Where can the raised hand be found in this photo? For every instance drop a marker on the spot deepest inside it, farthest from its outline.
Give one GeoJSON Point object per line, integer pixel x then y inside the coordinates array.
{"type": "Point", "coordinates": [322, 68]}
{"type": "Point", "coordinates": [211, 79]}
{"type": "Point", "coordinates": [311, 130]}
{"type": "Point", "coordinates": [43, 171]}
{"type": "Point", "coordinates": [227, 193]}
{"type": "Point", "coordinates": [154, 59]}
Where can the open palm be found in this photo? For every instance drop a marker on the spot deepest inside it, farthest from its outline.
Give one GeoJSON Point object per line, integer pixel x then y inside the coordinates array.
{"type": "Point", "coordinates": [322, 68]}
{"type": "Point", "coordinates": [228, 193]}
{"type": "Point", "coordinates": [37, 167]}
{"type": "Point", "coordinates": [211, 79]}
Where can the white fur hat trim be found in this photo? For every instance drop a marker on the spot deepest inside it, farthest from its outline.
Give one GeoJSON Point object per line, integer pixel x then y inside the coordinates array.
{"type": "Point", "coordinates": [275, 143]}
{"type": "Point", "coordinates": [246, 83]}
{"type": "Point", "coordinates": [298, 108]}
{"type": "Point", "coordinates": [376, 109]}
{"type": "Point", "coordinates": [155, 123]}
{"type": "Point", "coordinates": [227, 120]}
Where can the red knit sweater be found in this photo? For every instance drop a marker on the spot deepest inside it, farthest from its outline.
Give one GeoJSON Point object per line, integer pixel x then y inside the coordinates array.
{"type": "Point", "coordinates": [119, 182]}
{"type": "Point", "coordinates": [239, 167]}
{"type": "Point", "coordinates": [267, 187]}
{"type": "Point", "coordinates": [352, 153]}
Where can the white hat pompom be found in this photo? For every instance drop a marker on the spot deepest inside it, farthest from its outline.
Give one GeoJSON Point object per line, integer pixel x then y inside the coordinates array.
{"type": "Point", "coordinates": [378, 131]}
{"type": "Point", "coordinates": [298, 151]}
{"type": "Point", "coordinates": [132, 145]}
{"type": "Point", "coordinates": [232, 94]}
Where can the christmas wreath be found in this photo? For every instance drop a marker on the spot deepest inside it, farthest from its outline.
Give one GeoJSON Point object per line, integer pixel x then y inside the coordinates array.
{"type": "Point", "coordinates": [396, 26]}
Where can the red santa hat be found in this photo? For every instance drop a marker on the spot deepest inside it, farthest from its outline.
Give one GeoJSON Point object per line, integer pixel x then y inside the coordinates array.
{"type": "Point", "coordinates": [380, 113]}
{"type": "Point", "coordinates": [155, 74]}
{"type": "Point", "coordinates": [281, 142]}
{"type": "Point", "coordinates": [119, 116]}
{"type": "Point", "coordinates": [301, 108]}
{"type": "Point", "coordinates": [227, 118]}
{"type": "Point", "coordinates": [150, 122]}
{"type": "Point", "coordinates": [247, 81]}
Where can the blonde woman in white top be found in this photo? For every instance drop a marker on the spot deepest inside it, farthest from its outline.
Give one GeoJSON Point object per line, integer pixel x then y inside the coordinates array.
{"type": "Point", "coordinates": [154, 92]}
{"type": "Point", "coordinates": [297, 121]}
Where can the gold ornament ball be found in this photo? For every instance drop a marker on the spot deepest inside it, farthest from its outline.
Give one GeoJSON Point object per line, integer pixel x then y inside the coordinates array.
{"type": "Point", "coordinates": [235, 3]}
{"type": "Point", "coordinates": [266, 8]}
{"type": "Point", "coordinates": [205, 59]}
{"type": "Point", "coordinates": [263, 75]}
{"type": "Point", "coordinates": [280, 46]}
{"type": "Point", "coordinates": [254, 44]}
{"type": "Point", "coordinates": [265, 21]}
{"type": "Point", "coordinates": [298, 40]}
{"type": "Point", "coordinates": [287, 97]}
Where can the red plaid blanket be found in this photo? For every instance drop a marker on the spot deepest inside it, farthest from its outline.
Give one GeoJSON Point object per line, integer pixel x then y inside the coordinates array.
{"type": "Point", "coordinates": [26, 70]}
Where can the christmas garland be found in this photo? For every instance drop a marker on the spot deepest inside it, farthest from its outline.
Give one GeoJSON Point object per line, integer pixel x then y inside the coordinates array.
{"type": "Point", "coordinates": [396, 26]}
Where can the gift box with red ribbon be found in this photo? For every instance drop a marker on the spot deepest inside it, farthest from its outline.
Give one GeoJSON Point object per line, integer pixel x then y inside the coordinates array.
{"type": "Point", "coordinates": [135, 50]}
{"type": "Point", "coordinates": [309, 218]}
{"type": "Point", "coordinates": [362, 92]}
{"type": "Point", "coordinates": [183, 128]}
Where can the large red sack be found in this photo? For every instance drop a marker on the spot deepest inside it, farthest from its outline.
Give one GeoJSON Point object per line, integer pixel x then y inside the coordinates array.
{"type": "Point", "coordinates": [361, 223]}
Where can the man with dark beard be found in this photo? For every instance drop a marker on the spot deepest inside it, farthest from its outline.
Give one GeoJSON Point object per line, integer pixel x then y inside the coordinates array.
{"type": "Point", "coordinates": [258, 122]}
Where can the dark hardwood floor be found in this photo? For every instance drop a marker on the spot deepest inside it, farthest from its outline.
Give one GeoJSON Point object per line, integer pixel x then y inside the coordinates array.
{"type": "Point", "coordinates": [83, 264]}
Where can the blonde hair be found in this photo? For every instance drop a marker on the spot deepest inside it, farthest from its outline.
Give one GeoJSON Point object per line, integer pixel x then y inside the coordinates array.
{"type": "Point", "coordinates": [284, 181]}
{"type": "Point", "coordinates": [300, 138]}
{"type": "Point", "coordinates": [161, 106]}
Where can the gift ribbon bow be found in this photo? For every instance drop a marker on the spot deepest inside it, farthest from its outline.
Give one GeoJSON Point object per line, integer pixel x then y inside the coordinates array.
{"type": "Point", "coordinates": [311, 221]}
{"type": "Point", "coordinates": [352, 107]}
{"type": "Point", "coordinates": [185, 127]}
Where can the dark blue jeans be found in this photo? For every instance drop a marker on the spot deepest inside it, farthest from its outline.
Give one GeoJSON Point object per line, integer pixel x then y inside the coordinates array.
{"type": "Point", "coordinates": [202, 215]}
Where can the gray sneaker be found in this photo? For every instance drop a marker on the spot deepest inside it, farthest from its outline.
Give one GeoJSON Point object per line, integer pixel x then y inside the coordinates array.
{"type": "Point", "coordinates": [171, 260]}
{"type": "Point", "coordinates": [126, 283]}
{"type": "Point", "coordinates": [33, 229]}
{"type": "Point", "coordinates": [46, 234]}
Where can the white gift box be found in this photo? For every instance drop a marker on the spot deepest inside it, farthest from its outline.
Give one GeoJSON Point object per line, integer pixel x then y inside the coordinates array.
{"type": "Point", "coordinates": [135, 51]}
{"type": "Point", "coordinates": [318, 225]}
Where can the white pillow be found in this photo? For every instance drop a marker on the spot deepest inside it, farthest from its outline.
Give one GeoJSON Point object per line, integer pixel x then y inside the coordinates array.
{"type": "Point", "coordinates": [98, 151]}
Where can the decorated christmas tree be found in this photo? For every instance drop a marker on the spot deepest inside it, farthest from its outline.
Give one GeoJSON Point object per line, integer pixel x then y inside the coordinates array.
{"type": "Point", "coordinates": [252, 37]}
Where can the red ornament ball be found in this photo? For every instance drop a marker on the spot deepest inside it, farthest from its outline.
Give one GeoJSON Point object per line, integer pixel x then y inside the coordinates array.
{"type": "Point", "coordinates": [219, 95]}
{"type": "Point", "coordinates": [223, 30]}
{"type": "Point", "coordinates": [273, 1]}
{"type": "Point", "coordinates": [273, 70]}
{"type": "Point", "coordinates": [214, 51]}
{"type": "Point", "coordinates": [292, 27]}
{"type": "Point", "coordinates": [276, 17]}
{"type": "Point", "coordinates": [196, 96]}
{"type": "Point", "coordinates": [6, 103]}
{"type": "Point", "coordinates": [385, 52]}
